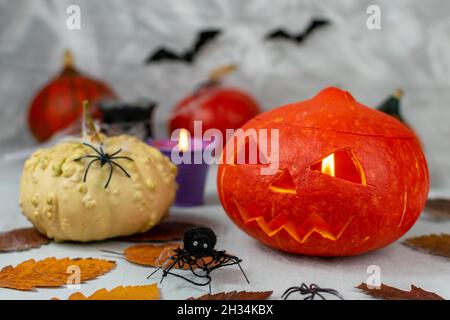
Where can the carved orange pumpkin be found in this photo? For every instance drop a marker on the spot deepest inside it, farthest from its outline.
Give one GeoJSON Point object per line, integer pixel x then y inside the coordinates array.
{"type": "Point", "coordinates": [351, 179]}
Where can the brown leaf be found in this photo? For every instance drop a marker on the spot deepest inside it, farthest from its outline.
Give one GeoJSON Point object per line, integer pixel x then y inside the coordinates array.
{"type": "Point", "coordinates": [438, 207]}
{"type": "Point", "coordinates": [236, 295]}
{"type": "Point", "coordinates": [163, 232]}
{"type": "Point", "coordinates": [146, 292]}
{"type": "Point", "coordinates": [437, 244]}
{"type": "Point", "coordinates": [390, 293]}
{"type": "Point", "coordinates": [51, 272]}
{"type": "Point", "coordinates": [155, 255]}
{"type": "Point", "coordinates": [21, 239]}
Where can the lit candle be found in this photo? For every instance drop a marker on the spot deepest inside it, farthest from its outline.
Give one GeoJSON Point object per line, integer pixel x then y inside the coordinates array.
{"type": "Point", "coordinates": [191, 177]}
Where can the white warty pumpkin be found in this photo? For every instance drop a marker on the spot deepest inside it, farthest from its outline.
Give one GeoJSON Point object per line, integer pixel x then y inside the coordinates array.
{"type": "Point", "coordinates": [54, 197]}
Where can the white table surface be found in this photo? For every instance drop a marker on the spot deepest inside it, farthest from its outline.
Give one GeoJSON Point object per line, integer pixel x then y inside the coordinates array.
{"type": "Point", "coordinates": [266, 268]}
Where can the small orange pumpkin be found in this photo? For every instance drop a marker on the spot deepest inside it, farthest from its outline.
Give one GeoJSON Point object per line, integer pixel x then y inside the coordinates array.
{"type": "Point", "coordinates": [57, 105]}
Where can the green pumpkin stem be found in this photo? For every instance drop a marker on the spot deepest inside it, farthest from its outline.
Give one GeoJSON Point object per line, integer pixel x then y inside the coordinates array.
{"type": "Point", "coordinates": [391, 105]}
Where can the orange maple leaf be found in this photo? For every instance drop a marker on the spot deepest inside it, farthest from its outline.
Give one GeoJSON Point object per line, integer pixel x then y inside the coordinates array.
{"type": "Point", "coordinates": [52, 272]}
{"type": "Point", "coordinates": [149, 254]}
{"type": "Point", "coordinates": [153, 255]}
{"type": "Point", "coordinates": [146, 292]}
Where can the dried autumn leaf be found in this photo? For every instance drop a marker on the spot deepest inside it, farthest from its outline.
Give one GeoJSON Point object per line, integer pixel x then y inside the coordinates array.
{"type": "Point", "coordinates": [149, 254]}
{"type": "Point", "coordinates": [155, 255]}
{"type": "Point", "coordinates": [51, 272]}
{"type": "Point", "coordinates": [236, 295]}
{"type": "Point", "coordinates": [146, 292]}
{"type": "Point", "coordinates": [390, 293]}
{"type": "Point", "coordinates": [437, 244]}
{"type": "Point", "coordinates": [438, 207]}
{"type": "Point", "coordinates": [21, 239]}
{"type": "Point", "coordinates": [165, 231]}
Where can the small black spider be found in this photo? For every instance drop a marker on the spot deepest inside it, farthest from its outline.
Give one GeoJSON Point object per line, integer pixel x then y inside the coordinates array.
{"type": "Point", "coordinates": [311, 291]}
{"type": "Point", "coordinates": [198, 246]}
{"type": "Point", "coordinates": [104, 158]}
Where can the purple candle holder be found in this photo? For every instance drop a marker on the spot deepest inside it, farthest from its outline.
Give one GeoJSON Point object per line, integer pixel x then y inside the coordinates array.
{"type": "Point", "coordinates": [191, 177]}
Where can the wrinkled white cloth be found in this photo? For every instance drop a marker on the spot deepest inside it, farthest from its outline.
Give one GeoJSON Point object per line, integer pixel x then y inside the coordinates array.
{"type": "Point", "coordinates": [266, 268]}
{"type": "Point", "coordinates": [412, 51]}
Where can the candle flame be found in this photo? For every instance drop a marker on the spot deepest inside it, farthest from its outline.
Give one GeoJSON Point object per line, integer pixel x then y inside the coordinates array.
{"type": "Point", "coordinates": [183, 140]}
{"type": "Point", "coordinates": [328, 165]}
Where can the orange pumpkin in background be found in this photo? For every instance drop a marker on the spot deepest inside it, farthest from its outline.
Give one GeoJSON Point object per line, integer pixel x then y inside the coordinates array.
{"type": "Point", "coordinates": [350, 179]}
{"type": "Point", "coordinates": [57, 105]}
{"type": "Point", "coordinates": [217, 106]}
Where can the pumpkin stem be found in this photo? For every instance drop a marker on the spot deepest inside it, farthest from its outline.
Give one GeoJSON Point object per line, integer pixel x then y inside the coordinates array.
{"type": "Point", "coordinates": [219, 73]}
{"type": "Point", "coordinates": [88, 125]}
{"type": "Point", "coordinates": [398, 94]}
{"type": "Point", "coordinates": [68, 60]}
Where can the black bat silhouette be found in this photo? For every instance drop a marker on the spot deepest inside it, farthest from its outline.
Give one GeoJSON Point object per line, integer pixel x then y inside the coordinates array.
{"type": "Point", "coordinates": [302, 36]}
{"type": "Point", "coordinates": [162, 54]}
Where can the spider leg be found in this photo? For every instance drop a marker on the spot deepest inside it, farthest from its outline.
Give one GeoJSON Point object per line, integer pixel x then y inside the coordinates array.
{"type": "Point", "coordinates": [160, 267]}
{"type": "Point", "coordinates": [110, 174]}
{"type": "Point", "coordinates": [191, 264]}
{"type": "Point", "coordinates": [101, 149]}
{"type": "Point", "coordinates": [120, 167]}
{"type": "Point", "coordinates": [289, 291]}
{"type": "Point", "coordinates": [155, 271]}
{"type": "Point", "coordinates": [189, 280]}
{"type": "Point", "coordinates": [323, 298]}
{"type": "Point", "coordinates": [87, 169]}
{"type": "Point", "coordinates": [209, 282]}
{"type": "Point", "coordinates": [224, 259]}
{"type": "Point", "coordinates": [126, 158]}
{"type": "Point", "coordinates": [93, 148]}
{"type": "Point", "coordinates": [318, 289]}
{"type": "Point", "coordinates": [337, 294]}
{"type": "Point", "coordinates": [182, 260]}
{"type": "Point", "coordinates": [84, 157]}
{"type": "Point", "coordinates": [166, 271]}
{"type": "Point", "coordinates": [195, 273]}
{"type": "Point", "coordinates": [242, 270]}
{"type": "Point", "coordinates": [334, 293]}
{"type": "Point", "coordinates": [117, 152]}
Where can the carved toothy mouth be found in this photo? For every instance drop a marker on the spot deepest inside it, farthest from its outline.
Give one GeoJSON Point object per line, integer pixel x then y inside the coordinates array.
{"type": "Point", "coordinates": [314, 223]}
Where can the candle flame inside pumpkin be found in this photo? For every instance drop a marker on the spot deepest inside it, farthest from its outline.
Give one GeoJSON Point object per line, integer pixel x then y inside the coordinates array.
{"type": "Point", "coordinates": [183, 140]}
{"type": "Point", "coordinates": [328, 165]}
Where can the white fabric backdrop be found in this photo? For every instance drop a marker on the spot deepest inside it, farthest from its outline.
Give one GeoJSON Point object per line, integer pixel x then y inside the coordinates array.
{"type": "Point", "coordinates": [412, 51]}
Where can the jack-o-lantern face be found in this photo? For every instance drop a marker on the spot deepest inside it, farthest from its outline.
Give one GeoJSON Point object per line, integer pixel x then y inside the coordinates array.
{"type": "Point", "coordinates": [350, 179]}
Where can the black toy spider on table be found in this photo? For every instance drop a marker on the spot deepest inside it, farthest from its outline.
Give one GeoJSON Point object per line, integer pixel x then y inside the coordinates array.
{"type": "Point", "coordinates": [104, 158]}
{"type": "Point", "coordinates": [198, 253]}
{"type": "Point", "coordinates": [312, 291]}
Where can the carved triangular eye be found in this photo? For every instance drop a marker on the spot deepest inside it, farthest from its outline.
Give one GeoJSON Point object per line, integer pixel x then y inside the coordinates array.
{"type": "Point", "coordinates": [283, 183]}
{"type": "Point", "coordinates": [343, 165]}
